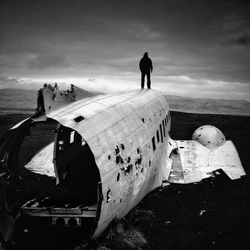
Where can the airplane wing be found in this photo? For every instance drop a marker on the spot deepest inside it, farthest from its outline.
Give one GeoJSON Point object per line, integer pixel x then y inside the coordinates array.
{"type": "Point", "coordinates": [190, 161]}
{"type": "Point", "coordinates": [42, 162]}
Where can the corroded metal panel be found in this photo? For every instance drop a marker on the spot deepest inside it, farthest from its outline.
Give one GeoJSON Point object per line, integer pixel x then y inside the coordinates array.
{"type": "Point", "coordinates": [119, 130]}
{"type": "Point", "coordinates": [195, 162]}
{"type": "Point", "coordinates": [124, 172]}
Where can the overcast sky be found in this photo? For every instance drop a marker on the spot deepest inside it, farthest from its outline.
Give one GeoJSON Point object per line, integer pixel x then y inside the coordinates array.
{"type": "Point", "coordinates": [198, 48]}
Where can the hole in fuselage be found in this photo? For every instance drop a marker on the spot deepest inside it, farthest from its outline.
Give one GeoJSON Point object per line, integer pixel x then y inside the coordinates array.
{"type": "Point", "coordinates": [77, 196]}
{"type": "Point", "coordinates": [76, 168]}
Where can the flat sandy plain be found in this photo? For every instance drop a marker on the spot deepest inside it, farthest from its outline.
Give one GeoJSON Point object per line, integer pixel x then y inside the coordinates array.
{"type": "Point", "coordinates": [213, 214]}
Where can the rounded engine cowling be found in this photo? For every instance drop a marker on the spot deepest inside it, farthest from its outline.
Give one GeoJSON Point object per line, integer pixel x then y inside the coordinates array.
{"type": "Point", "coordinates": [209, 136]}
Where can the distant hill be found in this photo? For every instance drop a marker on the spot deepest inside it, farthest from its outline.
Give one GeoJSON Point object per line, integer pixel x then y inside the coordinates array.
{"type": "Point", "coordinates": [206, 105]}
{"type": "Point", "coordinates": [12, 100]}
{"type": "Point", "coordinates": [23, 100]}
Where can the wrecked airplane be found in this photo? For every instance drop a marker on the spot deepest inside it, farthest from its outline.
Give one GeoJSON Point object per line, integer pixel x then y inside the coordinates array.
{"type": "Point", "coordinates": [108, 152]}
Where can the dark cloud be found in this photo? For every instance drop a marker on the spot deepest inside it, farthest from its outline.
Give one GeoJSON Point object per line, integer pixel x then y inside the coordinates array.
{"type": "Point", "coordinates": [241, 40]}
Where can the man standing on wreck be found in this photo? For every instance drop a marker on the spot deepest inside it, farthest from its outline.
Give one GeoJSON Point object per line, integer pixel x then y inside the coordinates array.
{"type": "Point", "coordinates": [146, 68]}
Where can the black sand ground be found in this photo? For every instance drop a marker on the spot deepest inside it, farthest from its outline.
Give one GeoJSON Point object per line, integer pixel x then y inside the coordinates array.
{"type": "Point", "coordinates": [213, 214]}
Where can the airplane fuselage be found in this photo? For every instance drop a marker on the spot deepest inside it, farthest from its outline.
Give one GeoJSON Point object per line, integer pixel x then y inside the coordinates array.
{"type": "Point", "coordinates": [109, 151]}
{"type": "Point", "coordinates": [128, 135]}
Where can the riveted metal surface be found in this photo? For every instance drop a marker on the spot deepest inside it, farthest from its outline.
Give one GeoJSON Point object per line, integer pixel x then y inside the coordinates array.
{"type": "Point", "coordinates": [197, 162]}
{"type": "Point", "coordinates": [128, 133]}
{"type": "Point", "coordinates": [119, 128]}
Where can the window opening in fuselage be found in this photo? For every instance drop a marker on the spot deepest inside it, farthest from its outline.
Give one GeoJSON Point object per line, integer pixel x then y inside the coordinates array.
{"type": "Point", "coordinates": [161, 133]}
{"type": "Point", "coordinates": [153, 143]}
{"type": "Point", "coordinates": [163, 126]}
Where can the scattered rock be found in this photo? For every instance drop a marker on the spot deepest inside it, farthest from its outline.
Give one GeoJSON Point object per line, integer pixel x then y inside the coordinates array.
{"type": "Point", "coordinates": [102, 248]}
{"type": "Point", "coordinates": [202, 212]}
{"type": "Point", "coordinates": [124, 236]}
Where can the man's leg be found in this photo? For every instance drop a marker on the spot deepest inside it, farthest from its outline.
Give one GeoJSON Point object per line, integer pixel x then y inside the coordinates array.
{"type": "Point", "coordinates": [142, 80]}
{"type": "Point", "coordinates": [148, 80]}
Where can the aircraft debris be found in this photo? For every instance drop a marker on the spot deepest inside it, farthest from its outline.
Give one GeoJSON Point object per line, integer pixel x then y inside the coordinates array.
{"type": "Point", "coordinates": [165, 183]}
{"type": "Point", "coordinates": [99, 180]}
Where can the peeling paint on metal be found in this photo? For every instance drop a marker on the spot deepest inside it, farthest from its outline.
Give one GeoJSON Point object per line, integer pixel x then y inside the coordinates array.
{"type": "Point", "coordinates": [117, 150]}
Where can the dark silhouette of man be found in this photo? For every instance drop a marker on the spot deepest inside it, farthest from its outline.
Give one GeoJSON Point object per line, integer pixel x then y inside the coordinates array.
{"type": "Point", "coordinates": [146, 68]}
